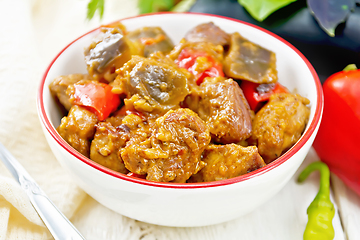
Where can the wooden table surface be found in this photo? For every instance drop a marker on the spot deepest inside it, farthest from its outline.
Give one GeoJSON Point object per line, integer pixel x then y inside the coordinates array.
{"type": "Point", "coordinates": [348, 204]}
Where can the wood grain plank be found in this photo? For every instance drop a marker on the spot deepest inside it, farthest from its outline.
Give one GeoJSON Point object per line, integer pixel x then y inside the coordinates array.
{"type": "Point", "coordinates": [349, 208]}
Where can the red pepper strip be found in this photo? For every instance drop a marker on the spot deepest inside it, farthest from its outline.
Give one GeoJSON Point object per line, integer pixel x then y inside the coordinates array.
{"type": "Point", "coordinates": [131, 174]}
{"type": "Point", "coordinates": [125, 111]}
{"type": "Point", "coordinates": [97, 97]}
{"type": "Point", "coordinates": [337, 141]}
{"type": "Point", "coordinates": [258, 94]}
{"type": "Point", "coordinates": [187, 59]}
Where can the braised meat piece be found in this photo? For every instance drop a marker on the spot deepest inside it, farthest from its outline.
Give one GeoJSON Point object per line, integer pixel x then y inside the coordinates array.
{"type": "Point", "coordinates": [78, 128]}
{"type": "Point", "coordinates": [221, 104]}
{"type": "Point", "coordinates": [60, 84]}
{"type": "Point", "coordinates": [173, 151]}
{"type": "Point", "coordinates": [106, 143]}
{"type": "Point", "coordinates": [151, 40]}
{"type": "Point", "coordinates": [113, 134]}
{"type": "Point", "coordinates": [279, 124]}
{"type": "Point", "coordinates": [108, 51]}
{"type": "Point", "coordinates": [153, 86]}
{"type": "Point", "coordinates": [228, 161]}
{"type": "Point", "coordinates": [246, 60]}
{"type": "Point", "coordinates": [208, 32]}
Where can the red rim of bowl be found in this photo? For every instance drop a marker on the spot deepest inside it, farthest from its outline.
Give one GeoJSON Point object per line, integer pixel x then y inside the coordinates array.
{"type": "Point", "coordinates": [305, 137]}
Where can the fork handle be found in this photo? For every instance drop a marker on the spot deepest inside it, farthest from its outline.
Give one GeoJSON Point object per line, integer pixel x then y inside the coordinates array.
{"type": "Point", "coordinates": [59, 226]}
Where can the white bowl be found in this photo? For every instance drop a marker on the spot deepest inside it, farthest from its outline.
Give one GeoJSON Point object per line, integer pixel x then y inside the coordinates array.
{"type": "Point", "coordinates": [174, 204]}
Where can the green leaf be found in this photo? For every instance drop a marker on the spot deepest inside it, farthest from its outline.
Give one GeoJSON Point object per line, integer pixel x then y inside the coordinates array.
{"type": "Point", "coordinates": [261, 9]}
{"type": "Point", "coordinates": [93, 6]}
{"type": "Point", "coordinates": [149, 6]}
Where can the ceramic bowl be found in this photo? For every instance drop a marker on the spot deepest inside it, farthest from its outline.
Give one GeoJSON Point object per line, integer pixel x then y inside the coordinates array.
{"type": "Point", "coordinates": [172, 204]}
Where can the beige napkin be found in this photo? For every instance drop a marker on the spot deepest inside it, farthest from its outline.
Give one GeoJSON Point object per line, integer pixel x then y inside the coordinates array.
{"type": "Point", "coordinates": [32, 32]}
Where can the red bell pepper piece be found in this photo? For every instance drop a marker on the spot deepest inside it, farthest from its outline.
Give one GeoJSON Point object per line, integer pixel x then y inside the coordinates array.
{"type": "Point", "coordinates": [131, 174]}
{"type": "Point", "coordinates": [124, 111]}
{"type": "Point", "coordinates": [258, 94]}
{"type": "Point", "coordinates": [97, 97]}
{"type": "Point", "coordinates": [337, 141]}
{"type": "Point", "coordinates": [187, 59]}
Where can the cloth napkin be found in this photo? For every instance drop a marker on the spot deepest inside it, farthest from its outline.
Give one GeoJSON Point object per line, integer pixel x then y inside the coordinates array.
{"type": "Point", "coordinates": [32, 32]}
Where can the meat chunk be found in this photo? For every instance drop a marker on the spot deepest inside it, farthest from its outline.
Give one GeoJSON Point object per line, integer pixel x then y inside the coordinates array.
{"type": "Point", "coordinates": [228, 161]}
{"type": "Point", "coordinates": [109, 50]}
{"type": "Point", "coordinates": [78, 128]}
{"type": "Point", "coordinates": [246, 60]}
{"type": "Point", "coordinates": [208, 32]}
{"type": "Point", "coordinates": [60, 84]}
{"type": "Point", "coordinates": [113, 134]}
{"type": "Point", "coordinates": [153, 86]}
{"type": "Point", "coordinates": [222, 105]}
{"type": "Point", "coordinates": [151, 40]}
{"type": "Point", "coordinates": [173, 151]}
{"type": "Point", "coordinates": [106, 144]}
{"type": "Point", "coordinates": [279, 124]}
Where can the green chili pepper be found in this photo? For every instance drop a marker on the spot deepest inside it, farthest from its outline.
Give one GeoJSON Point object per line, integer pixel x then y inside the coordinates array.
{"type": "Point", "coordinates": [321, 211]}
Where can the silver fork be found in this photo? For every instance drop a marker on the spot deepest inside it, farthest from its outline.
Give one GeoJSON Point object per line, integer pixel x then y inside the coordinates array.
{"type": "Point", "coordinates": [59, 226]}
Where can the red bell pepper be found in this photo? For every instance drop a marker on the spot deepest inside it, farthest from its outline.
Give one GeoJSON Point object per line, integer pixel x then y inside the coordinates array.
{"type": "Point", "coordinates": [188, 59]}
{"type": "Point", "coordinates": [258, 94]}
{"type": "Point", "coordinates": [131, 174]}
{"type": "Point", "coordinates": [124, 111]}
{"type": "Point", "coordinates": [337, 141]}
{"type": "Point", "coordinates": [97, 97]}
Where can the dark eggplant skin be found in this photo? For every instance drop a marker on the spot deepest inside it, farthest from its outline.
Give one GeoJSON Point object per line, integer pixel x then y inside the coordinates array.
{"type": "Point", "coordinates": [296, 24]}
